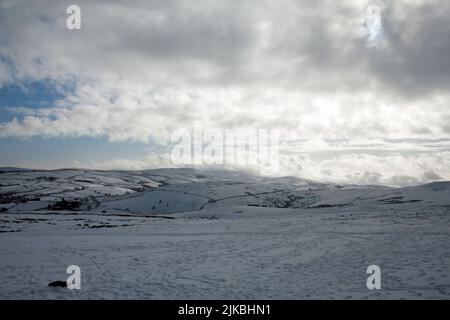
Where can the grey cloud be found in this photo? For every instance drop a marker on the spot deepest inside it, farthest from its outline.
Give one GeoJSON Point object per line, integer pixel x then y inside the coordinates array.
{"type": "Point", "coordinates": [370, 178]}
{"type": "Point", "coordinates": [400, 180]}
{"type": "Point", "coordinates": [416, 61]}
{"type": "Point", "coordinates": [431, 176]}
{"type": "Point", "coordinates": [446, 124]}
{"type": "Point", "coordinates": [141, 69]}
{"type": "Point", "coordinates": [293, 44]}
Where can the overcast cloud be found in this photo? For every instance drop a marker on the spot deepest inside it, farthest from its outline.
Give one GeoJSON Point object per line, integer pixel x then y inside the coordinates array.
{"type": "Point", "coordinates": [352, 106]}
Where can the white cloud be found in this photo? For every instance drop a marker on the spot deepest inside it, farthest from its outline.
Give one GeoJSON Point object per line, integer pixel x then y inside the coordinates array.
{"type": "Point", "coordinates": [142, 71]}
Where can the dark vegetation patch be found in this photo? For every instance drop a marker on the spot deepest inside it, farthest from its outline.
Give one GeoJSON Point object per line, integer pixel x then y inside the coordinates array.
{"type": "Point", "coordinates": [396, 200]}
{"type": "Point", "coordinates": [65, 205]}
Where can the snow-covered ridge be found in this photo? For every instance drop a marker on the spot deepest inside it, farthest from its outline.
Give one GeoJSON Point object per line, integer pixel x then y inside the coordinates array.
{"type": "Point", "coordinates": [166, 191]}
{"type": "Point", "coordinates": [188, 234]}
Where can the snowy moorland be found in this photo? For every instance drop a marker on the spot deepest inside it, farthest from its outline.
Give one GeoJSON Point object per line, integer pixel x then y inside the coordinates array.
{"type": "Point", "coordinates": [189, 234]}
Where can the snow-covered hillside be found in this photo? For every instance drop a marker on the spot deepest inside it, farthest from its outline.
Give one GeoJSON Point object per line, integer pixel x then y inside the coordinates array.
{"type": "Point", "coordinates": [184, 233]}
{"type": "Point", "coordinates": [165, 191]}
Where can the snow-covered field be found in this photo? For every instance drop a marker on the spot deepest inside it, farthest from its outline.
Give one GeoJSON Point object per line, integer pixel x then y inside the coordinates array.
{"type": "Point", "coordinates": [187, 234]}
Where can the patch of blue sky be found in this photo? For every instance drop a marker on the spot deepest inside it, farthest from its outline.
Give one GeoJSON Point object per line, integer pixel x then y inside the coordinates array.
{"type": "Point", "coordinates": [30, 94]}
{"type": "Point", "coordinates": [69, 151]}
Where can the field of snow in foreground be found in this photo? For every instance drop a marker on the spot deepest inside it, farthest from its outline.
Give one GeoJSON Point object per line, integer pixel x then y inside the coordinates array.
{"type": "Point", "coordinates": [187, 236]}
{"type": "Point", "coordinates": [242, 253]}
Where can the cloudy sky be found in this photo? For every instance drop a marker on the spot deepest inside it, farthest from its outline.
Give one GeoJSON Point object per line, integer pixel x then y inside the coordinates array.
{"type": "Point", "coordinates": [355, 101]}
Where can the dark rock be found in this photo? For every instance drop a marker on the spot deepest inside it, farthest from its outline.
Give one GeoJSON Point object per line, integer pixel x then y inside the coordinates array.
{"type": "Point", "coordinates": [62, 284]}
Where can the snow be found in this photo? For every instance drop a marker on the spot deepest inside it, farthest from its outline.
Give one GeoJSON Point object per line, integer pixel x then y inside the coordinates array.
{"type": "Point", "coordinates": [213, 235]}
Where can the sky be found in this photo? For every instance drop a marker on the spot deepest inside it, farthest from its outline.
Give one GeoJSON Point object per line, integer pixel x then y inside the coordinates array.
{"type": "Point", "coordinates": [355, 99]}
